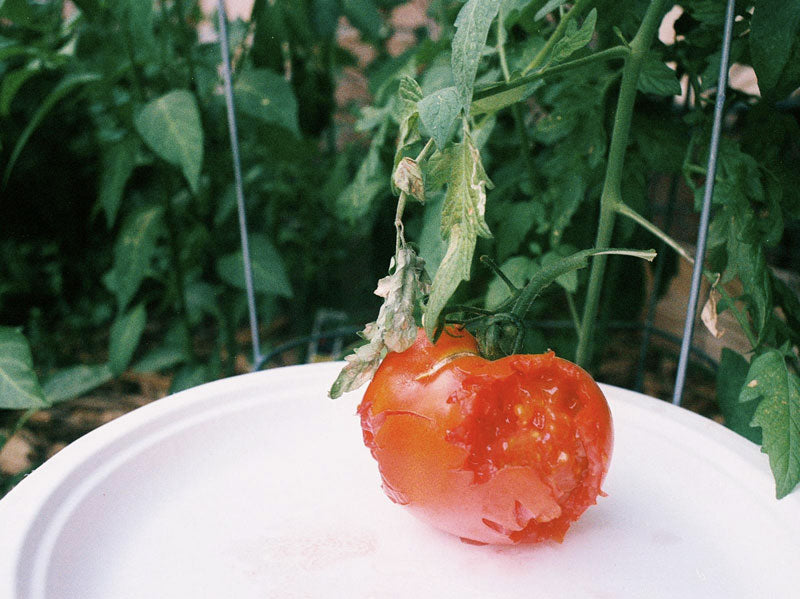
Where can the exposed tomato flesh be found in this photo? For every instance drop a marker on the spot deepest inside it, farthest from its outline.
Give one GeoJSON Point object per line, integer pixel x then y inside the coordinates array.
{"type": "Point", "coordinates": [496, 452]}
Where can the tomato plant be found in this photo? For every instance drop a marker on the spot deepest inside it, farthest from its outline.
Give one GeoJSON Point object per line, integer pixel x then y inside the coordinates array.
{"type": "Point", "coordinates": [507, 59]}
{"type": "Point", "coordinates": [504, 451]}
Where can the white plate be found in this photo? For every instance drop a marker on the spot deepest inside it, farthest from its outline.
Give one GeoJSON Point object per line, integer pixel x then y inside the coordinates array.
{"type": "Point", "coordinates": [259, 486]}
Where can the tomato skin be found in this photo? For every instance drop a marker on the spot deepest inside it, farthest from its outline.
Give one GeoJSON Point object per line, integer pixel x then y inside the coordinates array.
{"type": "Point", "coordinates": [506, 451]}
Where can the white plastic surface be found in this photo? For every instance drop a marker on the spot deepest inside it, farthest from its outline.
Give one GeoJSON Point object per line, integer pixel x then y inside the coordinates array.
{"type": "Point", "coordinates": [259, 486]}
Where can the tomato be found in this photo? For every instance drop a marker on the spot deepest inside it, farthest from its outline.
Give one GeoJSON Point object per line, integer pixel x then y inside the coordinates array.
{"type": "Point", "coordinates": [506, 451]}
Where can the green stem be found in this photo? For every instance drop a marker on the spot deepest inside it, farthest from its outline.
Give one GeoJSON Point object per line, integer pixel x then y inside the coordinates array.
{"type": "Point", "coordinates": [627, 211]}
{"type": "Point", "coordinates": [537, 61]}
{"type": "Point", "coordinates": [573, 311]}
{"type": "Point", "coordinates": [612, 194]}
{"type": "Point", "coordinates": [516, 110]}
{"type": "Point", "coordinates": [487, 91]}
{"type": "Point", "coordinates": [545, 276]}
{"type": "Point", "coordinates": [400, 241]}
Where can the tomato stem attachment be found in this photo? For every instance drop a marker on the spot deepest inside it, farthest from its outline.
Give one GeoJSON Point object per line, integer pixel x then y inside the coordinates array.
{"type": "Point", "coordinates": [496, 270]}
{"type": "Point", "coordinates": [548, 274]}
{"type": "Point", "coordinates": [502, 332]}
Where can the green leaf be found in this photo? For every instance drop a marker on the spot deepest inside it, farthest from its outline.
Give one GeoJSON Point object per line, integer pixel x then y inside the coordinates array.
{"type": "Point", "coordinates": [518, 269]}
{"type": "Point", "coordinates": [657, 78]}
{"type": "Point", "coordinates": [133, 252]}
{"type": "Point", "coordinates": [549, 7]}
{"type": "Point", "coordinates": [269, 273]}
{"type": "Point", "coordinates": [503, 99]}
{"type": "Point", "coordinates": [773, 31]}
{"type": "Point", "coordinates": [356, 199]}
{"type": "Point", "coordinates": [17, 11]}
{"type": "Point", "coordinates": [19, 385]}
{"type": "Point", "coordinates": [462, 223]}
{"type": "Point", "coordinates": [472, 27]}
{"type": "Point", "coordinates": [170, 126]}
{"type": "Point", "coordinates": [265, 95]}
{"type": "Point", "coordinates": [465, 201]}
{"type": "Point", "coordinates": [517, 221]}
{"type": "Point", "coordinates": [125, 335]}
{"type": "Point", "coordinates": [432, 247]}
{"type": "Point", "coordinates": [731, 377]}
{"type": "Point", "coordinates": [118, 165]}
{"type": "Point", "coordinates": [364, 16]}
{"type": "Point", "coordinates": [405, 113]}
{"type": "Point", "coordinates": [201, 300]}
{"type": "Point", "coordinates": [76, 381]}
{"type": "Point", "coordinates": [408, 94]}
{"type": "Point", "coordinates": [137, 16]}
{"type": "Point", "coordinates": [160, 359]}
{"type": "Point", "coordinates": [438, 113]}
{"type": "Point", "coordinates": [574, 38]}
{"type": "Point", "coordinates": [13, 81]}
{"type": "Point", "coordinates": [454, 268]}
{"type": "Point", "coordinates": [326, 16]}
{"type": "Point", "coordinates": [64, 87]}
{"type": "Point", "coordinates": [189, 376]}
{"type": "Point", "coordinates": [747, 260]}
{"type": "Point", "coordinates": [566, 204]}
{"type": "Point", "coordinates": [778, 415]}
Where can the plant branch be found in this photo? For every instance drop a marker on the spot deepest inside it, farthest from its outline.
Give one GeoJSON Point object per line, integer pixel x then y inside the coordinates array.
{"type": "Point", "coordinates": [537, 61]}
{"type": "Point", "coordinates": [612, 186]}
{"type": "Point", "coordinates": [400, 241]}
{"type": "Point", "coordinates": [627, 211]}
{"type": "Point", "coordinates": [617, 52]}
{"type": "Point", "coordinates": [516, 110]}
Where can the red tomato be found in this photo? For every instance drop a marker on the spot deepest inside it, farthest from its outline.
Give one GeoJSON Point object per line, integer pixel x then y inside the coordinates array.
{"type": "Point", "coordinates": [505, 451]}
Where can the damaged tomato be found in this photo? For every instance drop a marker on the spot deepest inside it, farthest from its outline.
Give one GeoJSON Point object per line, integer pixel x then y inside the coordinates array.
{"type": "Point", "coordinates": [506, 451]}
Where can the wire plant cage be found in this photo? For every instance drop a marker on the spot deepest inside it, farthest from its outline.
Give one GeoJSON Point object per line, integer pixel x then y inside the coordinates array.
{"type": "Point", "coordinates": [331, 328]}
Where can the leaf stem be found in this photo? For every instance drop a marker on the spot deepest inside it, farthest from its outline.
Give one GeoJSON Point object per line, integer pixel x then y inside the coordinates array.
{"type": "Point", "coordinates": [516, 110]}
{"type": "Point", "coordinates": [487, 91]}
{"type": "Point", "coordinates": [712, 277]}
{"type": "Point", "coordinates": [612, 186]}
{"type": "Point", "coordinates": [573, 311]}
{"type": "Point", "coordinates": [537, 61]}
{"type": "Point", "coordinates": [627, 211]}
{"type": "Point", "coordinates": [400, 241]}
{"type": "Point", "coordinates": [498, 271]}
